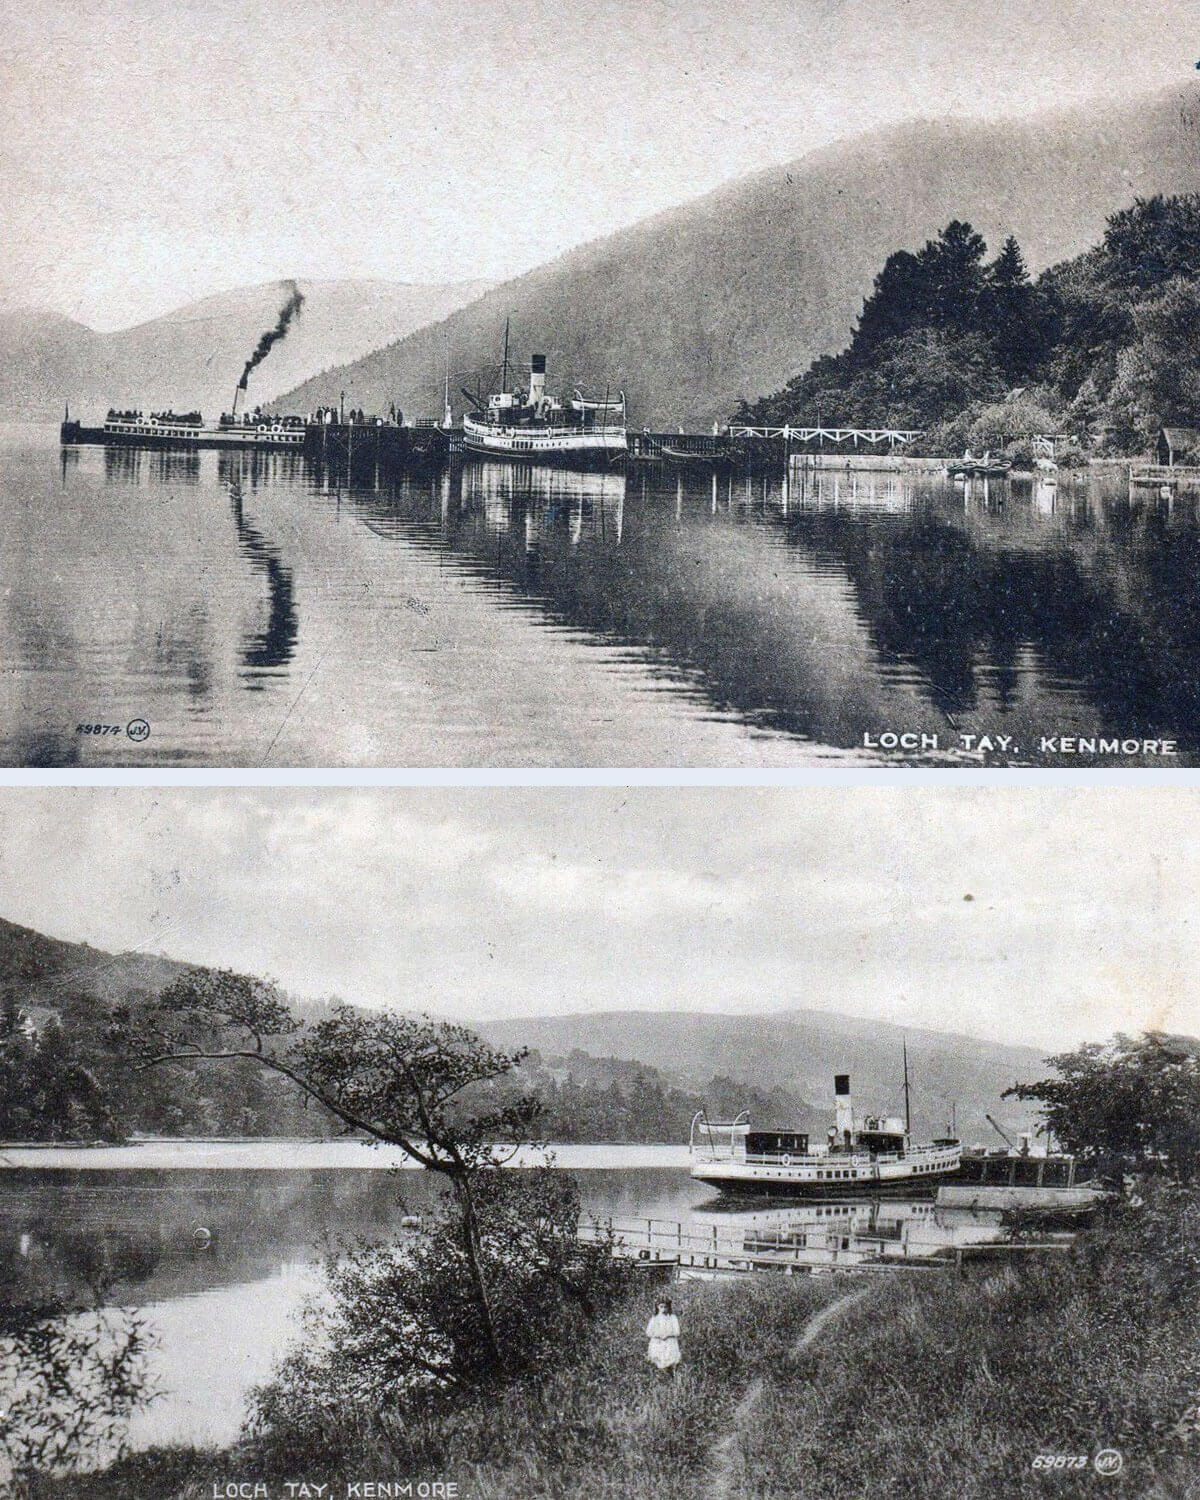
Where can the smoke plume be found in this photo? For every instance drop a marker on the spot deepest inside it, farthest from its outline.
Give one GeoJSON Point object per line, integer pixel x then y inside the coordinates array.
{"type": "Point", "coordinates": [272, 336]}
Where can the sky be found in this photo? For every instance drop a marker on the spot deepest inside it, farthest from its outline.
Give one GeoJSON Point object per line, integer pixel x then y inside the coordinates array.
{"type": "Point", "coordinates": [1018, 915]}
{"type": "Point", "coordinates": [154, 151]}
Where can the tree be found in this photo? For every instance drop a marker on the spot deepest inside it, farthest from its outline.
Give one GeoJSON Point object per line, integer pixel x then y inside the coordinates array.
{"type": "Point", "coordinates": [48, 1091]}
{"type": "Point", "coordinates": [398, 1329]}
{"type": "Point", "coordinates": [953, 264]}
{"type": "Point", "coordinates": [1154, 241]}
{"type": "Point", "coordinates": [72, 1369]}
{"type": "Point", "coordinates": [1012, 313]}
{"type": "Point", "coordinates": [411, 1082]}
{"type": "Point", "coordinates": [999, 423]}
{"type": "Point", "coordinates": [898, 302]}
{"type": "Point", "coordinates": [1158, 374]}
{"type": "Point", "coordinates": [1132, 1103]}
{"type": "Point", "coordinates": [16, 1052]}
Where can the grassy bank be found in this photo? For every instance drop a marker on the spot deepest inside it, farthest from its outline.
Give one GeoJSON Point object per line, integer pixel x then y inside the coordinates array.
{"type": "Point", "coordinates": [605, 1424]}
{"type": "Point", "coordinates": [955, 1387]}
{"type": "Point", "coordinates": [929, 1386]}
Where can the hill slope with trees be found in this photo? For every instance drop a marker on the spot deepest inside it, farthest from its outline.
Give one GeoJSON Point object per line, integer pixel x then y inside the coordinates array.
{"type": "Point", "coordinates": [1106, 345]}
{"type": "Point", "coordinates": [618, 1076]}
{"type": "Point", "coordinates": [730, 295]}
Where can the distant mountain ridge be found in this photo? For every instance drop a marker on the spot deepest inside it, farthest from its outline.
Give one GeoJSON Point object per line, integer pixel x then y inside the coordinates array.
{"type": "Point", "coordinates": [191, 358]}
{"type": "Point", "coordinates": [732, 294]}
{"type": "Point", "coordinates": [801, 1050]}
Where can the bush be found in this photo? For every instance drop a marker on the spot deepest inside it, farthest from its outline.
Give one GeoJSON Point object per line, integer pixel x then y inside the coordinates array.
{"type": "Point", "coordinates": [71, 1370]}
{"type": "Point", "coordinates": [397, 1328]}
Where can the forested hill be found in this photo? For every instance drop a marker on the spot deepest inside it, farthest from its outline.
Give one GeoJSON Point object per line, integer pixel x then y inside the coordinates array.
{"type": "Point", "coordinates": [730, 296]}
{"type": "Point", "coordinates": [64, 1073]}
{"type": "Point", "coordinates": [1105, 347]}
{"type": "Point", "coordinates": [793, 1056]}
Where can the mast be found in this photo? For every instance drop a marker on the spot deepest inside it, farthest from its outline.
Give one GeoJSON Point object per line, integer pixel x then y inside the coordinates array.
{"type": "Point", "coordinates": [904, 1044]}
{"type": "Point", "coordinates": [447, 414]}
{"type": "Point", "coordinates": [504, 376]}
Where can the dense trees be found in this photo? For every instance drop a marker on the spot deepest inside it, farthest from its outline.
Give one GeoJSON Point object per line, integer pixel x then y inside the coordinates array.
{"type": "Point", "coordinates": [49, 1088]}
{"type": "Point", "coordinates": [1130, 1104]}
{"type": "Point", "coordinates": [73, 1080]}
{"type": "Point", "coordinates": [1105, 345]}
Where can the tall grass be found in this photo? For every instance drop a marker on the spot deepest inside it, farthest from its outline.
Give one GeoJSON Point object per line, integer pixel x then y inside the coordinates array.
{"type": "Point", "coordinates": [937, 1386]}
{"type": "Point", "coordinates": [954, 1387]}
{"type": "Point", "coordinates": [605, 1424]}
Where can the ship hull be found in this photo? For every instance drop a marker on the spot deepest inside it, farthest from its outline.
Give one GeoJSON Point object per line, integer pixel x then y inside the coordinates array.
{"type": "Point", "coordinates": [783, 1187]}
{"type": "Point", "coordinates": [912, 1175]}
{"type": "Point", "coordinates": [591, 450]}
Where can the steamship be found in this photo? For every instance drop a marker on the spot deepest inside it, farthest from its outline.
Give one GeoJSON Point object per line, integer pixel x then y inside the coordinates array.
{"type": "Point", "coordinates": [538, 428]}
{"type": "Point", "coordinates": [168, 429]}
{"type": "Point", "coordinates": [875, 1155]}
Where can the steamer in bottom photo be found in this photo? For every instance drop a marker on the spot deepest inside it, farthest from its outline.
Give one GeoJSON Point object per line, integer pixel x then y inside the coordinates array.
{"type": "Point", "coordinates": [517, 1142]}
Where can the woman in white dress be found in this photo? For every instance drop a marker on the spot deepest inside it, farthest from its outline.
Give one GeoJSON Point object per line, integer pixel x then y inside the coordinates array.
{"type": "Point", "coordinates": [663, 1332]}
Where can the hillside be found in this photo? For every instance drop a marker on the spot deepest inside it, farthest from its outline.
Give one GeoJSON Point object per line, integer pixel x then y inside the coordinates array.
{"type": "Point", "coordinates": [48, 973]}
{"type": "Point", "coordinates": [728, 296]}
{"type": "Point", "coordinates": [800, 1051]}
{"type": "Point", "coordinates": [192, 357]}
{"type": "Point", "coordinates": [663, 1064]}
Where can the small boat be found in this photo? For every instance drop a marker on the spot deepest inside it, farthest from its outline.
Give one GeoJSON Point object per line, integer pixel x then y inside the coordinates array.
{"type": "Point", "coordinates": [979, 468]}
{"type": "Point", "coordinates": [683, 456]}
{"type": "Point", "coordinates": [873, 1155]}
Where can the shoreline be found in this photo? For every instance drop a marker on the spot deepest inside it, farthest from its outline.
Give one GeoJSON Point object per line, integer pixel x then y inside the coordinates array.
{"type": "Point", "coordinates": [253, 1153]}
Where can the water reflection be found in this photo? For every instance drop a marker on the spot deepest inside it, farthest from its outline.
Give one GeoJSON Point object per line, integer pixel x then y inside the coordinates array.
{"type": "Point", "coordinates": [222, 1303]}
{"type": "Point", "coordinates": [272, 646]}
{"type": "Point", "coordinates": [666, 617]}
{"type": "Point", "coordinates": [848, 1233]}
{"type": "Point", "coordinates": [151, 466]}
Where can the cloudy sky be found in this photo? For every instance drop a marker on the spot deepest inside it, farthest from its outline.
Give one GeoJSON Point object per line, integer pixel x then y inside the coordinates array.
{"type": "Point", "coordinates": [152, 151]}
{"type": "Point", "coordinates": [1019, 915]}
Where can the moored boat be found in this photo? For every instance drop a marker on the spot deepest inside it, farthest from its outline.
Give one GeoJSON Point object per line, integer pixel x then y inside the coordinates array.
{"type": "Point", "coordinates": [168, 429]}
{"type": "Point", "coordinates": [979, 468]}
{"type": "Point", "coordinates": [534, 427]}
{"type": "Point", "coordinates": [873, 1155]}
{"type": "Point", "coordinates": [1019, 1180]}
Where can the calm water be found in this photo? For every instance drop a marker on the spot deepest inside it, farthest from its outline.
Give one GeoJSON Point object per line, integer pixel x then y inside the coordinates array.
{"type": "Point", "coordinates": [223, 1316]}
{"type": "Point", "coordinates": [254, 611]}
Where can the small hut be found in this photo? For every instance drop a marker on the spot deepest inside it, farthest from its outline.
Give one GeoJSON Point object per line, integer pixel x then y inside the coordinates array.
{"type": "Point", "coordinates": [1178, 445]}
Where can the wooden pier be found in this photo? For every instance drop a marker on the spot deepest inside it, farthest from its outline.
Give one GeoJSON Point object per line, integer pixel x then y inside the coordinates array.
{"type": "Point", "coordinates": [827, 1249]}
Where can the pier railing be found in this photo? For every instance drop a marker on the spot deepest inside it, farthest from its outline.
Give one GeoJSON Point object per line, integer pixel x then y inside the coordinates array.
{"type": "Point", "coordinates": [892, 436]}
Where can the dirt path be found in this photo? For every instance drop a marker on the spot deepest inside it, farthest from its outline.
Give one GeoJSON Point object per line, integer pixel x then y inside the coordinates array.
{"type": "Point", "coordinates": [725, 1456]}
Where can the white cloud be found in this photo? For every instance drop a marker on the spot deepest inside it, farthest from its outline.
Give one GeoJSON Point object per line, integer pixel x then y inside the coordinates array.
{"type": "Point", "coordinates": [515, 901]}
